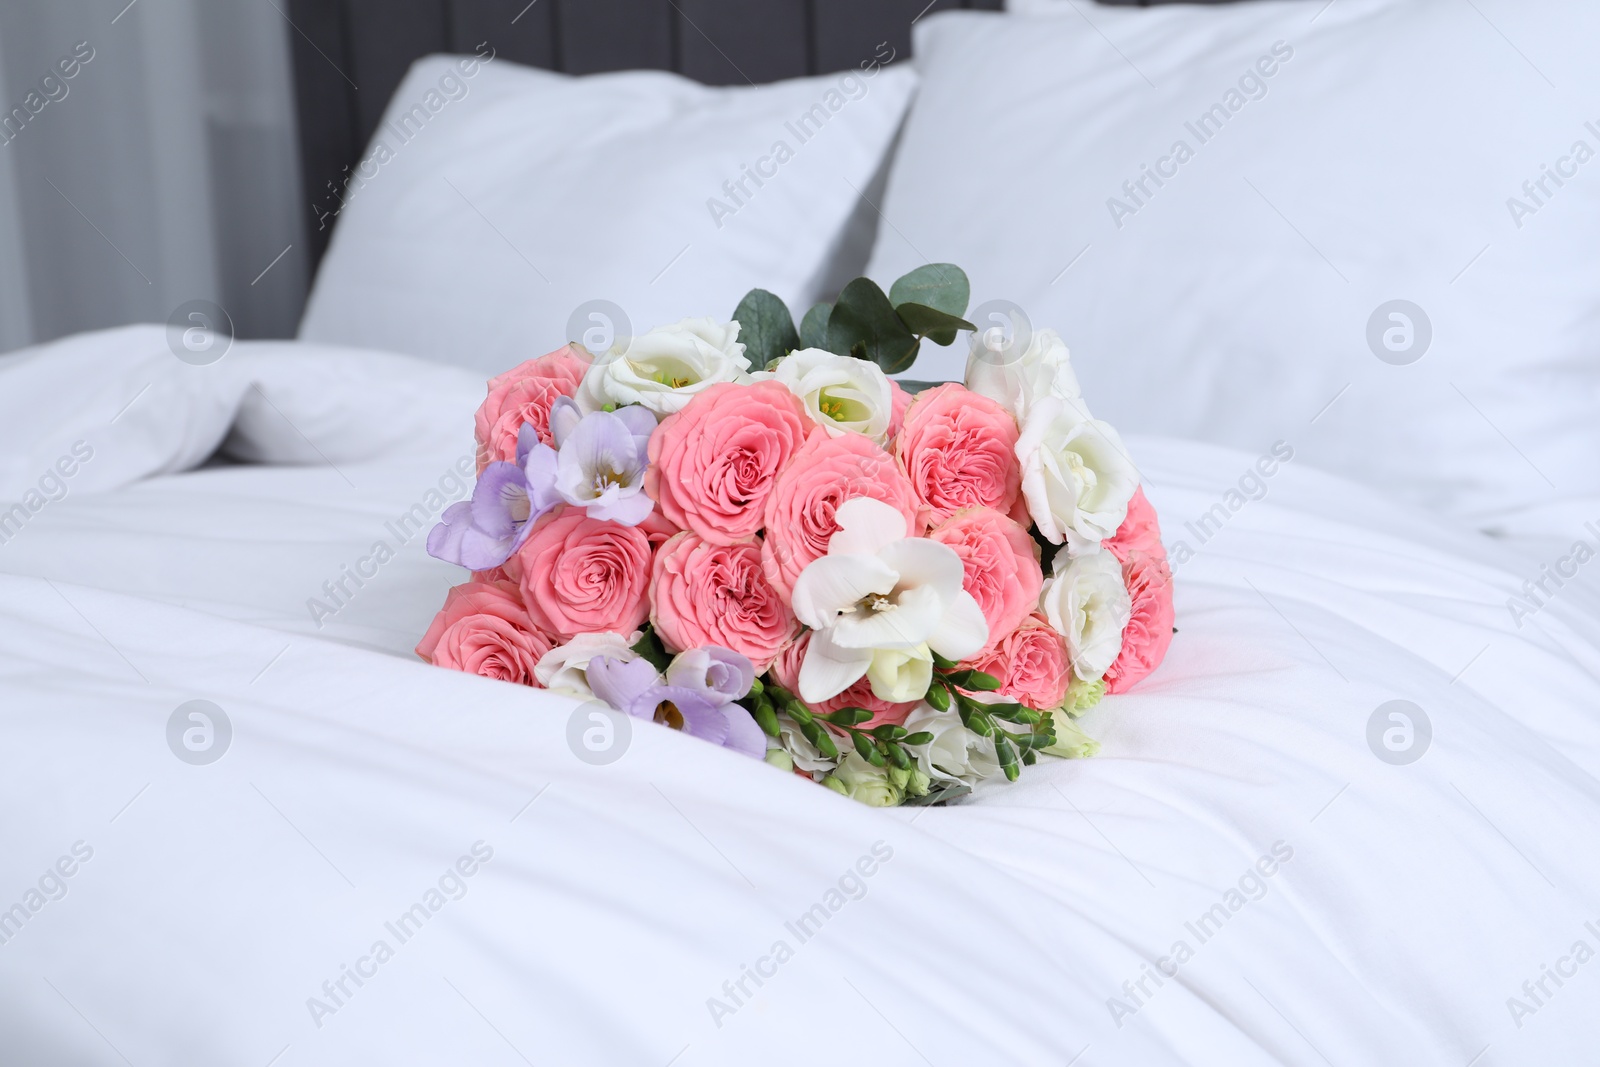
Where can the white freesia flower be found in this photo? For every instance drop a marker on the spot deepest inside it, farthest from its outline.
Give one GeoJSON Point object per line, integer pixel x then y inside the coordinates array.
{"type": "Point", "coordinates": [843, 394]}
{"type": "Point", "coordinates": [602, 460]}
{"type": "Point", "coordinates": [802, 752]}
{"type": "Point", "coordinates": [563, 669]}
{"type": "Point", "coordinates": [1019, 382]}
{"type": "Point", "coordinates": [1086, 602]}
{"type": "Point", "coordinates": [665, 368]}
{"type": "Point", "coordinates": [955, 754]}
{"type": "Point", "coordinates": [880, 593]}
{"type": "Point", "coordinates": [901, 675]}
{"type": "Point", "coordinates": [1076, 476]}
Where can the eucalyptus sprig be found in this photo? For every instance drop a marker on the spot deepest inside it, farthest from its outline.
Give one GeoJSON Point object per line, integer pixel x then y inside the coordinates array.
{"type": "Point", "coordinates": [865, 322]}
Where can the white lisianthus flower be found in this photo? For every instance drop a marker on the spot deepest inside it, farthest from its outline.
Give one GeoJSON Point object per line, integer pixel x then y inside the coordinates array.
{"type": "Point", "coordinates": [1086, 602]}
{"type": "Point", "coordinates": [955, 754]}
{"type": "Point", "coordinates": [1019, 381]}
{"type": "Point", "coordinates": [841, 393]}
{"type": "Point", "coordinates": [877, 596]}
{"type": "Point", "coordinates": [1076, 476]}
{"type": "Point", "coordinates": [665, 368]}
{"type": "Point", "coordinates": [564, 669]}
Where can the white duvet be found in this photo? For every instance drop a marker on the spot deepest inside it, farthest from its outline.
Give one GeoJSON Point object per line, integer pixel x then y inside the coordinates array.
{"type": "Point", "coordinates": [395, 864]}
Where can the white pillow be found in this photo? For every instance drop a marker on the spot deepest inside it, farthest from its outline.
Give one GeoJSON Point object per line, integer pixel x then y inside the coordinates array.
{"type": "Point", "coordinates": [511, 198]}
{"type": "Point", "coordinates": [1359, 153]}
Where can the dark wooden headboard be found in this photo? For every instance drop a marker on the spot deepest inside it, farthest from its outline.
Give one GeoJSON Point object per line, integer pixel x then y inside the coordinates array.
{"type": "Point", "coordinates": [349, 55]}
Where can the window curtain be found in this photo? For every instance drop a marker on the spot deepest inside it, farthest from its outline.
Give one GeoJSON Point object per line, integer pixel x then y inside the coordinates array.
{"type": "Point", "coordinates": [147, 159]}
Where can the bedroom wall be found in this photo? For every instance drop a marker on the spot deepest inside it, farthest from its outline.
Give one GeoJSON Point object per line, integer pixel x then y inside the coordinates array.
{"type": "Point", "coordinates": [163, 170]}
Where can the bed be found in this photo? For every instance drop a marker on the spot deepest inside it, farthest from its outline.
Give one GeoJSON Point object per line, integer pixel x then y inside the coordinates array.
{"type": "Point", "coordinates": [371, 860]}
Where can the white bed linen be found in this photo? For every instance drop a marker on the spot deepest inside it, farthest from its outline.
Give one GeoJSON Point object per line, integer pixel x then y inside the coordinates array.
{"type": "Point", "coordinates": [619, 899]}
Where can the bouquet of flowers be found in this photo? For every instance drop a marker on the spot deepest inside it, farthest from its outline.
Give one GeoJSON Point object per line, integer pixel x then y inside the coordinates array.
{"type": "Point", "coordinates": [749, 532]}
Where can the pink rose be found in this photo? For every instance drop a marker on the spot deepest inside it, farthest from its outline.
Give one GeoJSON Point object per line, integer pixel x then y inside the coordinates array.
{"type": "Point", "coordinates": [1032, 664]}
{"type": "Point", "coordinates": [1149, 630]}
{"type": "Point", "coordinates": [1139, 532]}
{"type": "Point", "coordinates": [524, 395]}
{"type": "Point", "coordinates": [786, 672]}
{"type": "Point", "coordinates": [959, 450]}
{"type": "Point", "coordinates": [897, 410]}
{"type": "Point", "coordinates": [582, 575]}
{"type": "Point", "coordinates": [825, 473]}
{"type": "Point", "coordinates": [483, 629]}
{"type": "Point", "coordinates": [709, 594]}
{"type": "Point", "coordinates": [1001, 563]}
{"type": "Point", "coordinates": [713, 464]}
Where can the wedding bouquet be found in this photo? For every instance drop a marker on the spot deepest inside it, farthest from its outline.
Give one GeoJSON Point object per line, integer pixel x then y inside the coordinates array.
{"type": "Point", "coordinates": [749, 532]}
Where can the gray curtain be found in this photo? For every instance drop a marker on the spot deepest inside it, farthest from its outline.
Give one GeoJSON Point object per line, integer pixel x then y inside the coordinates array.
{"type": "Point", "coordinates": [162, 170]}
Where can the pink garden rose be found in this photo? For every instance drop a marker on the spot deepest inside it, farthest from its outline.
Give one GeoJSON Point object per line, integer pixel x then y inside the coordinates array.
{"type": "Point", "coordinates": [786, 672]}
{"type": "Point", "coordinates": [1032, 664]}
{"type": "Point", "coordinates": [483, 629]}
{"type": "Point", "coordinates": [1001, 563]}
{"type": "Point", "coordinates": [959, 450]}
{"type": "Point", "coordinates": [1149, 630]}
{"type": "Point", "coordinates": [582, 575]}
{"type": "Point", "coordinates": [709, 594]}
{"type": "Point", "coordinates": [713, 464]}
{"type": "Point", "coordinates": [1139, 532]}
{"type": "Point", "coordinates": [524, 395]}
{"type": "Point", "coordinates": [825, 473]}
{"type": "Point", "coordinates": [897, 411]}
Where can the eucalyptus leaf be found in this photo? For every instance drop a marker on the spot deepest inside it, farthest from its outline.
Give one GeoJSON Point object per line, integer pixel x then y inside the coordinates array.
{"type": "Point", "coordinates": [864, 324]}
{"type": "Point", "coordinates": [650, 648]}
{"type": "Point", "coordinates": [915, 387]}
{"type": "Point", "coordinates": [935, 325]}
{"type": "Point", "coordinates": [814, 328]}
{"type": "Point", "coordinates": [940, 286]}
{"type": "Point", "coordinates": [765, 328]}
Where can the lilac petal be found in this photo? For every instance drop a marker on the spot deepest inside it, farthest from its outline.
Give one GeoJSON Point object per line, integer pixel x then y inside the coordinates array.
{"type": "Point", "coordinates": [540, 469]}
{"type": "Point", "coordinates": [527, 440]}
{"type": "Point", "coordinates": [458, 540]}
{"type": "Point", "coordinates": [744, 735]}
{"type": "Point", "coordinates": [640, 421]}
{"type": "Point", "coordinates": [628, 509]}
{"type": "Point", "coordinates": [564, 417]}
{"type": "Point", "coordinates": [702, 714]}
{"type": "Point", "coordinates": [621, 683]}
{"type": "Point", "coordinates": [500, 500]}
{"type": "Point", "coordinates": [713, 670]}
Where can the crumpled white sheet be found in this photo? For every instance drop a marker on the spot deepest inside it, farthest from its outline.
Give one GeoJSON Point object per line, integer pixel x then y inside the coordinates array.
{"type": "Point", "coordinates": [1406, 904]}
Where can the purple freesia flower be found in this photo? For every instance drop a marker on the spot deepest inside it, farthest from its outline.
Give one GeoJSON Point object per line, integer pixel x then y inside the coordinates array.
{"type": "Point", "coordinates": [714, 670]}
{"type": "Point", "coordinates": [602, 460]}
{"type": "Point", "coordinates": [509, 498]}
{"type": "Point", "coordinates": [635, 688]}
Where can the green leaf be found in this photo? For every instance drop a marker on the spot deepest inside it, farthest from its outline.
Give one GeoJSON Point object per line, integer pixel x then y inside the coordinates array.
{"type": "Point", "coordinates": [814, 327]}
{"type": "Point", "coordinates": [914, 387]}
{"type": "Point", "coordinates": [940, 286]}
{"type": "Point", "coordinates": [864, 324]}
{"type": "Point", "coordinates": [921, 737]}
{"type": "Point", "coordinates": [649, 646]}
{"type": "Point", "coordinates": [939, 794]}
{"type": "Point", "coordinates": [765, 328]}
{"type": "Point", "coordinates": [932, 323]}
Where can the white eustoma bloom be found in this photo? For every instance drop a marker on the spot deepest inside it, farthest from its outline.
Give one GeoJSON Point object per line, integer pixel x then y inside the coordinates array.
{"type": "Point", "coordinates": [1019, 380]}
{"type": "Point", "coordinates": [1076, 475]}
{"type": "Point", "coordinates": [563, 669]}
{"type": "Point", "coordinates": [665, 368]}
{"type": "Point", "coordinates": [880, 595]}
{"type": "Point", "coordinates": [956, 753]}
{"type": "Point", "coordinates": [841, 393]}
{"type": "Point", "coordinates": [1086, 602]}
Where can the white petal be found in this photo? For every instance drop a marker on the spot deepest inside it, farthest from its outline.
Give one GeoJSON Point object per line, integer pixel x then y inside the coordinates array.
{"type": "Point", "coordinates": [833, 584]}
{"type": "Point", "coordinates": [865, 526]}
{"type": "Point", "coordinates": [909, 623]}
{"type": "Point", "coordinates": [923, 562]}
{"type": "Point", "coordinates": [962, 631]}
{"type": "Point", "coordinates": [829, 670]}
